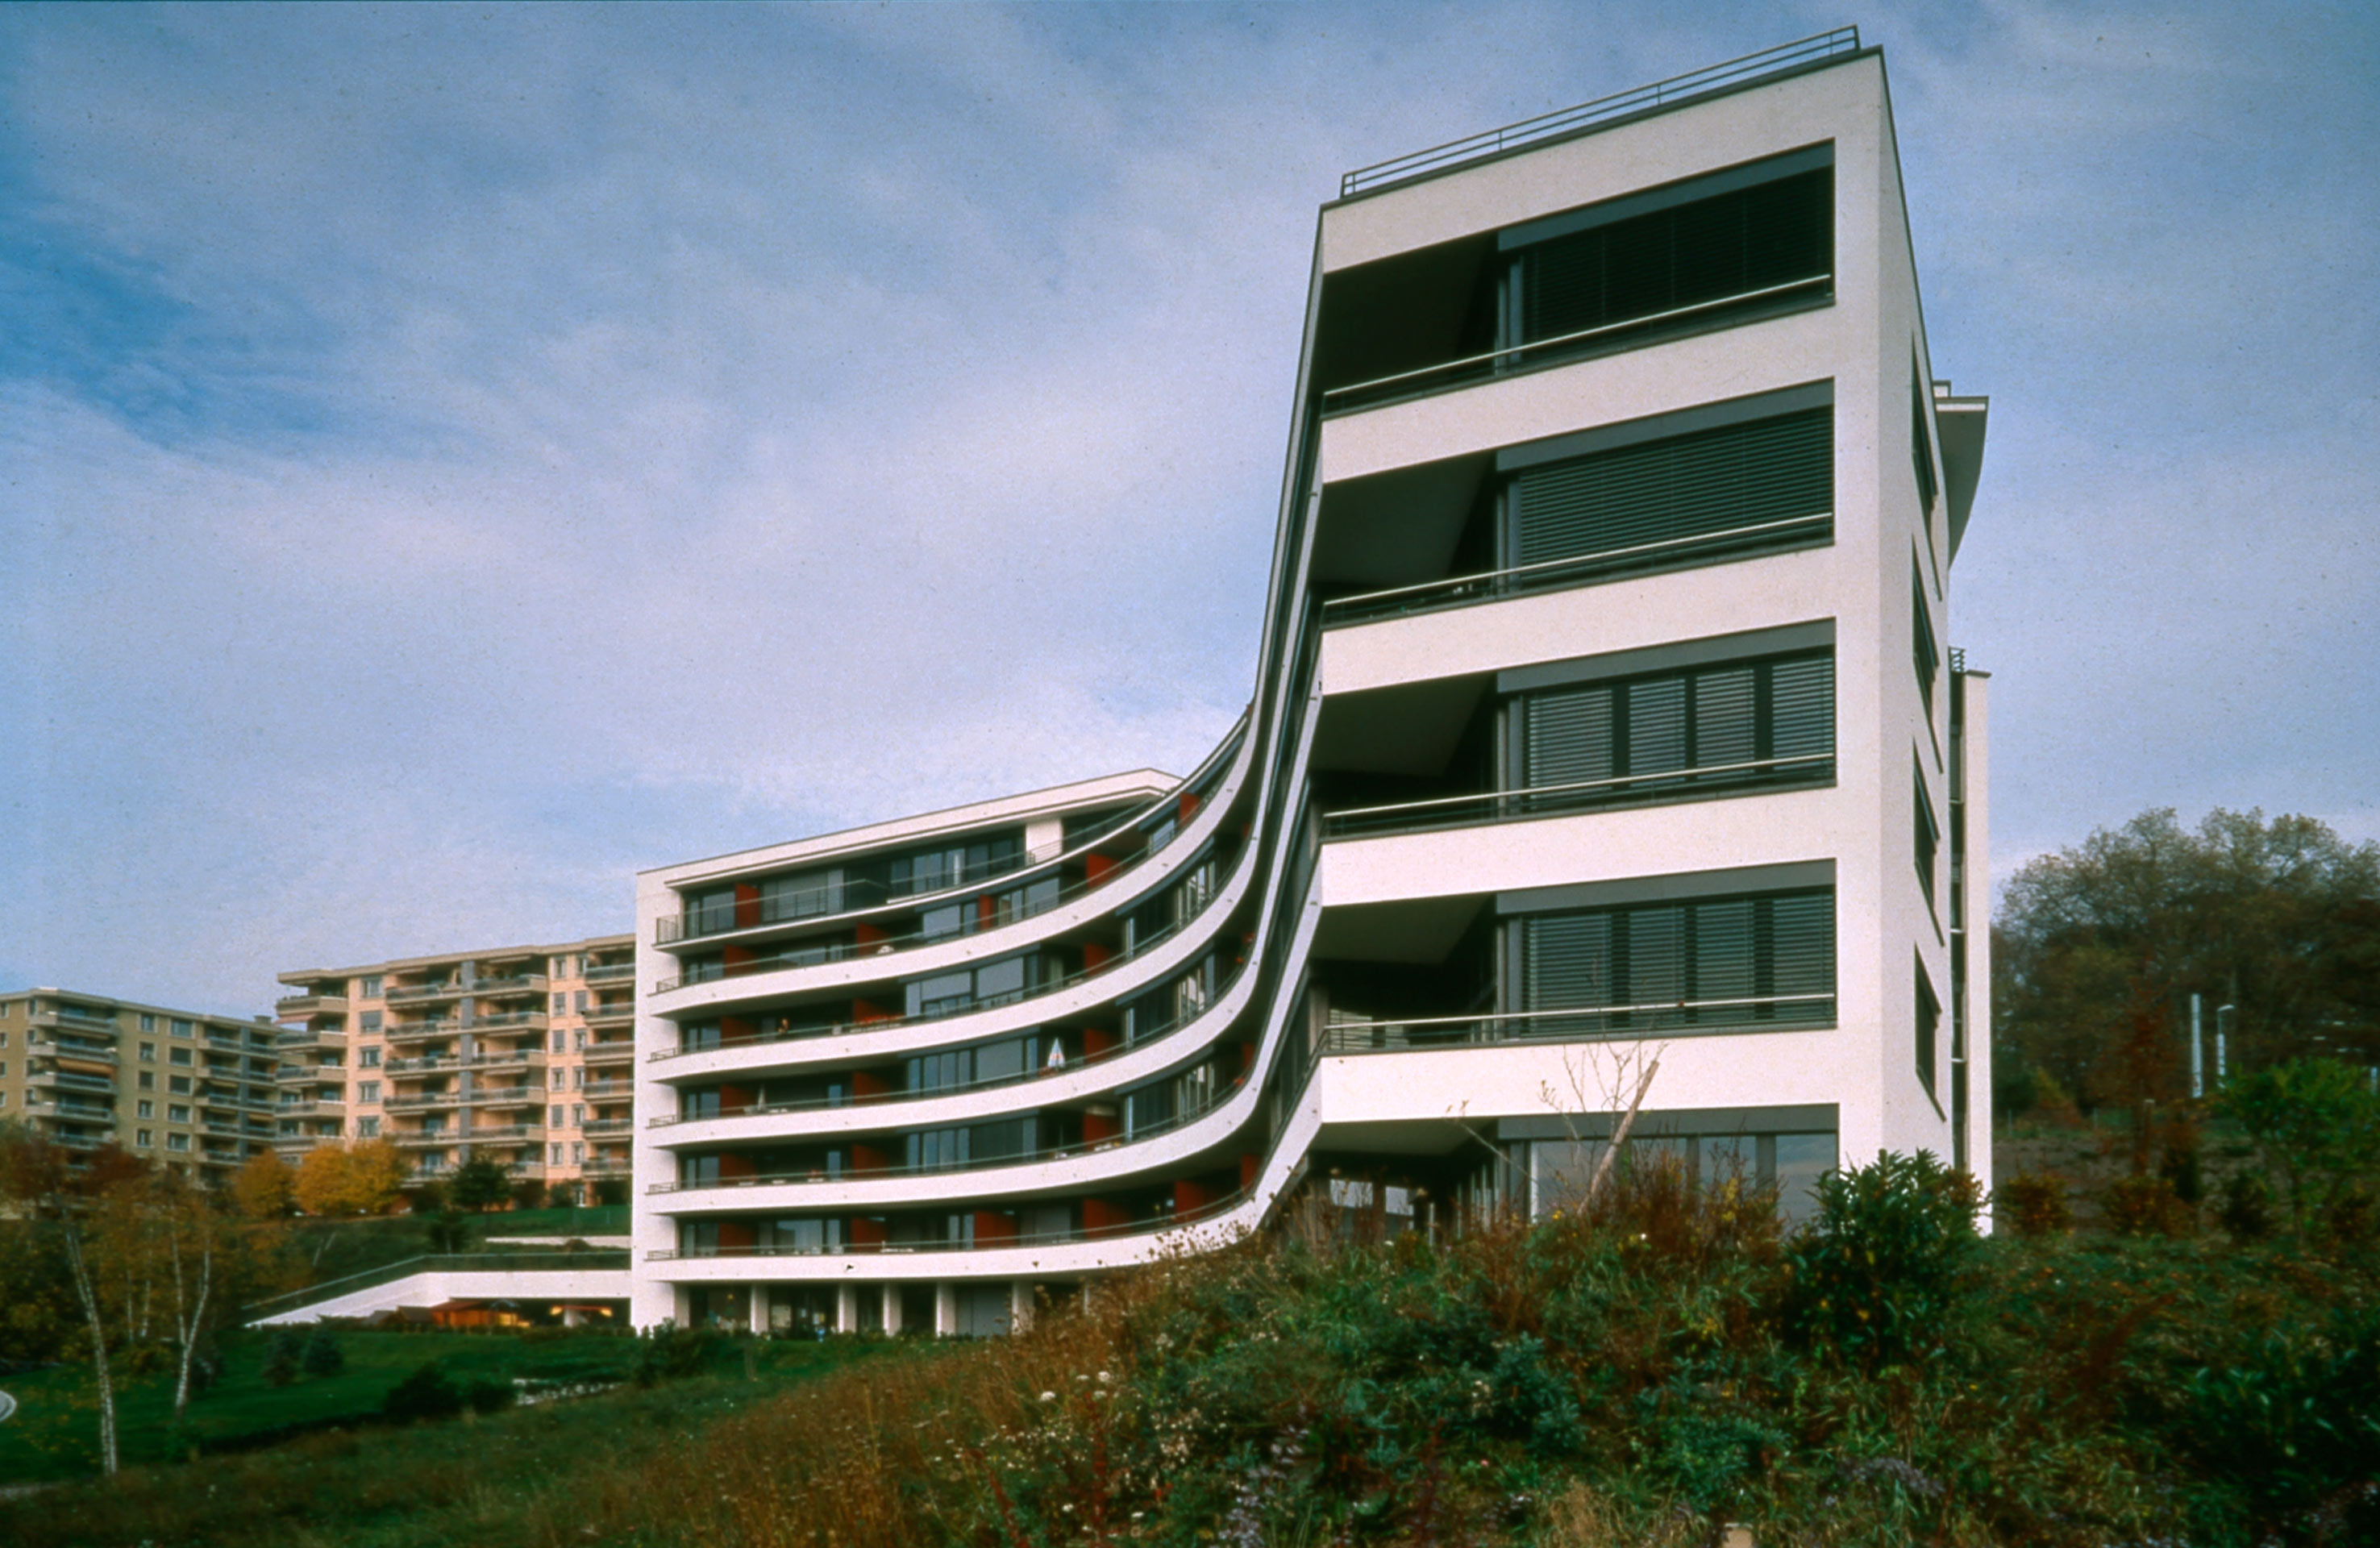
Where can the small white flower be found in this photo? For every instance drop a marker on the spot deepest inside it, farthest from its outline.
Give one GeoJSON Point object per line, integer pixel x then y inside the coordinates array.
{"type": "Point", "coordinates": [1048, 1398]}
{"type": "Point", "coordinates": [1103, 1378]}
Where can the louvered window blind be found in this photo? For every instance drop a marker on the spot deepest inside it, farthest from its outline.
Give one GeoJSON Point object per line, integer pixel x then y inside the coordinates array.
{"type": "Point", "coordinates": [1762, 960]}
{"type": "Point", "coordinates": [1655, 498]}
{"type": "Point", "coordinates": [1749, 724]}
{"type": "Point", "coordinates": [1751, 239]}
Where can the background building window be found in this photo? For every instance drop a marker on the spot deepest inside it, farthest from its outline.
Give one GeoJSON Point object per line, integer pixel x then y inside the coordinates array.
{"type": "Point", "coordinates": [142, 1138]}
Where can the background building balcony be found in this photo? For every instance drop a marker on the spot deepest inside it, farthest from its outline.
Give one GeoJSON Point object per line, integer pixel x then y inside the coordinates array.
{"type": "Point", "coordinates": [308, 1004]}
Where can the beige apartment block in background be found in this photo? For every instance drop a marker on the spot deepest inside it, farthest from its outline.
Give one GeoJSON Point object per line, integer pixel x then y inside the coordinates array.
{"type": "Point", "coordinates": [192, 1090]}
{"type": "Point", "coordinates": [521, 1053]}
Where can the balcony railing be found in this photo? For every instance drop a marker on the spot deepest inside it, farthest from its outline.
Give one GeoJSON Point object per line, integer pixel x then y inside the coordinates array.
{"type": "Point", "coordinates": [70, 1081]}
{"type": "Point", "coordinates": [599, 1090]}
{"type": "Point", "coordinates": [695, 924]}
{"type": "Point", "coordinates": [424, 1101]}
{"type": "Point", "coordinates": [609, 1126]}
{"type": "Point", "coordinates": [608, 1015]}
{"type": "Point", "coordinates": [59, 1048]}
{"type": "Point", "coordinates": [1567, 120]}
{"type": "Point", "coordinates": [610, 972]}
{"type": "Point", "coordinates": [606, 1166]}
{"type": "Point", "coordinates": [1593, 794]}
{"type": "Point", "coordinates": [306, 1005]}
{"type": "Point", "coordinates": [505, 1096]}
{"type": "Point", "coordinates": [607, 1053]}
{"type": "Point", "coordinates": [1678, 1017]}
{"type": "Point", "coordinates": [398, 1032]}
{"type": "Point", "coordinates": [512, 1019]}
{"type": "Point", "coordinates": [312, 1037]}
{"type": "Point", "coordinates": [399, 993]}
{"type": "Point", "coordinates": [1757, 538]}
{"type": "Point", "coordinates": [1209, 1210]}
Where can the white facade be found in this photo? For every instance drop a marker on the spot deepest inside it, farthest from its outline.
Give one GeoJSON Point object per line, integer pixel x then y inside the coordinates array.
{"type": "Point", "coordinates": [1603, 712]}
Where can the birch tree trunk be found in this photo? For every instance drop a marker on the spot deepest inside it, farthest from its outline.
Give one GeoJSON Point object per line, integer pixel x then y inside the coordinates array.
{"type": "Point", "coordinates": [186, 1323]}
{"type": "Point", "coordinates": [89, 1294]}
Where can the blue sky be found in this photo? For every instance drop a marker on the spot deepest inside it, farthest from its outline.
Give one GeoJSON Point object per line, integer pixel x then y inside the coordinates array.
{"type": "Point", "coordinates": [452, 457]}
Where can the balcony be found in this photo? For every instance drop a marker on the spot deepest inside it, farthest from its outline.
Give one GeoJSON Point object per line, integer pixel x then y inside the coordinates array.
{"type": "Point", "coordinates": [514, 1020]}
{"type": "Point", "coordinates": [333, 1038]}
{"type": "Point", "coordinates": [613, 1051]}
{"type": "Point", "coordinates": [308, 1005]}
{"type": "Point", "coordinates": [612, 1013]}
{"type": "Point", "coordinates": [491, 1134]}
{"type": "Point", "coordinates": [77, 1017]}
{"type": "Point", "coordinates": [611, 972]}
{"type": "Point", "coordinates": [311, 1075]}
{"type": "Point", "coordinates": [64, 1048]}
{"type": "Point", "coordinates": [402, 1032]}
{"type": "Point", "coordinates": [318, 1108]}
{"type": "Point", "coordinates": [81, 1111]}
{"type": "Point", "coordinates": [604, 1166]}
{"type": "Point", "coordinates": [70, 1081]}
{"type": "Point", "coordinates": [418, 993]}
{"type": "Point", "coordinates": [505, 1096]}
{"type": "Point", "coordinates": [607, 1090]}
{"type": "Point", "coordinates": [417, 1139]}
{"type": "Point", "coordinates": [528, 1056]}
{"type": "Point", "coordinates": [423, 1101]}
{"type": "Point", "coordinates": [609, 1126]}
{"type": "Point", "coordinates": [509, 986]}
{"type": "Point", "coordinates": [82, 1142]}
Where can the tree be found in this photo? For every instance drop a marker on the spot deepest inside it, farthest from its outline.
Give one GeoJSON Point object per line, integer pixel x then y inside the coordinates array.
{"type": "Point", "coordinates": [358, 1180]}
{"type": "Point", "coordinates": [264, 1187]}
{"type": "Point", "coordinates": [481, 1183]}
{"type": "Point", "coordinates": [2316, 1125]}
{"type": "Point", "coordinates": [2097, 947]}
{"type": "Point", "coordinates": [37, 1180]}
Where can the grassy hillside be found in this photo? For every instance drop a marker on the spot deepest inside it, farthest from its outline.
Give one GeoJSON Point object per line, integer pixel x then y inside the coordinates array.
{"type": "Point", "coordinates": [333, 1249]}
{"type": "Point", "coordinates": [1644, 1375]}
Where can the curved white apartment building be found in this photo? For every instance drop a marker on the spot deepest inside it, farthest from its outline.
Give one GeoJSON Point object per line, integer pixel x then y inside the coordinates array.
{"type": "Point", "coordinates": [1602, 712]}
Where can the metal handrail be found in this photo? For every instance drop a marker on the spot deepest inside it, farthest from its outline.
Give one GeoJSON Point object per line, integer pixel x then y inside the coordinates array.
{"type": "Point", "coordinates": [1343, 821]}
{"type": "Point", "coordinates": [1573, 561]}
{"type": "Point", "coordinates": [1489, 143]}
{"type": "Point", "coordinates": [888, 1023]}
{"type": "Point", "coordinates": [1209, 1210]}
{"type": "Point", "coordinates": [1511, 351]}
{"type": "Point", "coordinates": [1200, 784]}
{"type": "Point", "coordinates": [1339, 1037]}
{"type": "Point", "coordinates": [986, 1164]}
{"type": "Point", "coordinates": [820, 1104]}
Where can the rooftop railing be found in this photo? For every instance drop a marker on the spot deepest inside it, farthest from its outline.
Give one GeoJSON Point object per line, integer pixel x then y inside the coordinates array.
{"type": "Point", "coordinates": [1583, 1024]}
{"type": "Point", "coordinates": [1548, 126]}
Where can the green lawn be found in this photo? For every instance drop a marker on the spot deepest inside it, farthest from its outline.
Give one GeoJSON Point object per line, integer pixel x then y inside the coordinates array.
{"type": "Point", "coordinates": [333, 1249]}
{"type": "Point", "coordinates": [56, 1432]}
{"type": "Point", "coordinates": [522, 1476]}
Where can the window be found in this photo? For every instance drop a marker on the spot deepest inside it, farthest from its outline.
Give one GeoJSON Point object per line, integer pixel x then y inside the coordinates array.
{"type": "Point", "coordinates": [149, 1053]}
{"type": "Point", "coordinates": [143, 1139]}
{"type": "Point", "coordinates": [578, 1117]}
{"type": "Point", "coordinates": [1921, 445]}
{"type": "Point", "coordinates": [148, 1022]}
{"type": "Point", "coordinates": [577, 1152]}
{"type": "Point", "coordinates": [802, 896]}
{"type": "Point", "coordinates": [1750, 724]}
{"type": "Point", "coordinates": [578, 1079]}
{"type": "Point", "coordinates": [1928, 836]}
{"type": "Point", "coordinates": [178, 1084]}
{"type": "Point", "coordinates": [578, 1040]}
{"type": "Point", "coordinates": [369, 988]}
{"type": "Point", "coordinates": [1929, 1028]}
{"type": "Point", "coordinates": [554, 1117]}
{"type": "Point", "coordinates": [177, 1114]}
{"type": "Point", "coordinates": [366, 1091]}
{"type": "Point", "coordinates": [1724, 492]}
{"type": "Point", "coordinates": [178, 1057]}
{"type": "Point", "coordinates": [556, 1081]}
{"type": "Point", "coordinates": [369, 1022]}
{"type": "Point", "coordinates": [144, 1110]}
{"type": "Point", "coordinates": [554, 1153]}
{"type": "Point", "coordinates": [557, 1041]}
{"type": "Point", "coordinates": [994, 983]}
{"type": "Point", "coordinates": [182, 1027]}
{"type": "Point", "coordinates": [1925, 654]}
{"type": "Point", "coordinates": [1762, 960]}
{"type": "Point", "coordinates": [178, 1142]}
{"type": "Point", "coordinates": [561, 998]}
{"type": "Point", "coordinates": [148, 1081]}
{"type": "Point", "coordinates": [367, 1128]}
{"type": "Point", "coordinates": [579, 1005]}
{"type": "Point", "coordinates": [1667, 249]}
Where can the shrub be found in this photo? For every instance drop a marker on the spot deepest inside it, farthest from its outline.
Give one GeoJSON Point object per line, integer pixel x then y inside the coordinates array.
{"type": "Point", "coordinates": [487, 1397]}
{"type": "Point", "coordinates": [666, 1354]}
{"type": "Point", "coordinates": [2291, 1418]}
{"type": "Point", "coordinates": [2353, 1217]}
{"type": "Point", "coordinates": [2247, 1211]}
{"type": "Point", "coordinates": [2315, 1125]}
{"type": "Point", "coordinates": [322, 1356]}
{"type": "Point", "coordinates": [2179, 1167]}
{"type": "Point", "coordinates": [1874, 1272]}
{"type": "Point", "coordinates": [2145, 1206]}
{"type": "Point", "coordinates": [528, 1194]}
{"type": "Point", "coordinates": [479, 1184]}
{"type": "Point", "coordinates": [450, 1231]}
{"type": "Point", "coordinates": [2032, 1206]}
{"type": "Point", "coordinates": [281, 1353]}
{"type": "Point", "coordinates": [426, 1393]}
{"type": "Point", "coordinates": [426, 1197]}
{"type": "Point", "coordinates": [611, 1190]}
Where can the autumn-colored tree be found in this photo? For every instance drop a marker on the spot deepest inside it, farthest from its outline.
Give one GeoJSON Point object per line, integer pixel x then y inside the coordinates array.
{"type": "Point", "coordinates": [264, 1187]}
{"type": "Point", "coordinates": [358, 1180]}
{"type": "Point", "coordinates": [2099, 947]}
